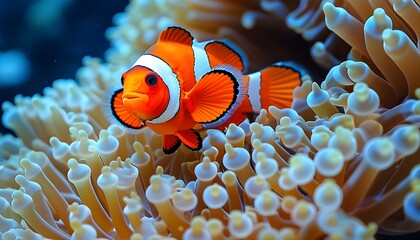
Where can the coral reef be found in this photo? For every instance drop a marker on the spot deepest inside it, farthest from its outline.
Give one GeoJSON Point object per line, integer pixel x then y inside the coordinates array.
{"type": "Point", "coordinates": [342, 163]}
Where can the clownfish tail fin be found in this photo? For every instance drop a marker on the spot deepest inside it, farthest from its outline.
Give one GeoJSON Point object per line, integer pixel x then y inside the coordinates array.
{"type": "Point", "coordinates": [274, 85]}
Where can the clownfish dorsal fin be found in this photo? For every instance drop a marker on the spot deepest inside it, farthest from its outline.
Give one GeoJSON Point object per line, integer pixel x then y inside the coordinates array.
{"type": "Point", "coordinates": [120, 112]}
{"type": "Point", "coordinates": [176, 35]}
{"type": "Point", "coordinates": [225, 51]}
{"type": "Point", "coordinates": [216, 96]}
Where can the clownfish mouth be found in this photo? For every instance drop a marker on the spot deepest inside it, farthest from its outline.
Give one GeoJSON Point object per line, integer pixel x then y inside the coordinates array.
{"type": "Point", "coordinates": [135, 96]}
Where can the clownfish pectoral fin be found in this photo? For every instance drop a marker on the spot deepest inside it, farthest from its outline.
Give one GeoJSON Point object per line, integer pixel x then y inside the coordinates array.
{"type": "Point", "coordinates": [176, 35]}
{"type": "Point", "coordinates": [227, 52]}
{"type": "Point", "coordinates": [170, 143]}
{"type": "Point", "coordinates": [191, 139]}
{"type": "Point", "coordinates": [274, 85]}
{"type": "Point", "coordinates": [216, 96]}
{"type": "Point", "coordinates": [120, 112]}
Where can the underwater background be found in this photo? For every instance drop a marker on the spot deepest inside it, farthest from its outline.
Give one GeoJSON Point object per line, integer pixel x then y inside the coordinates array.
{"type": "Point", "coordinates": [45, 40]}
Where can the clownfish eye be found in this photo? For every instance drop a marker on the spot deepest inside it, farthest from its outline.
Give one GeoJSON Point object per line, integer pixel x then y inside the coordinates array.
{"type": "Point", "coordinates": [151, 79]}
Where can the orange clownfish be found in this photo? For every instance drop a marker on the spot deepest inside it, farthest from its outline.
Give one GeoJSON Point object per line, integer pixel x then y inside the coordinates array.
{"type": "Point", "coordinates": [180, 85]}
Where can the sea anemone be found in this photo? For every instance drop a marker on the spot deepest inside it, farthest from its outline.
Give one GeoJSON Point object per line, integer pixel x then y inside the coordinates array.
{"type": "Point", "coordinates": [342, 162]}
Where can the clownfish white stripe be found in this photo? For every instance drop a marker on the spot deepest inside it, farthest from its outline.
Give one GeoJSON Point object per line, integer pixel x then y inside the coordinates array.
{"type": "Point", "coordinates": [164, 70]}
{"type": "Point", "coordinates": [254, 87]}
{"type": "Point", "coordinates": [201, 60]}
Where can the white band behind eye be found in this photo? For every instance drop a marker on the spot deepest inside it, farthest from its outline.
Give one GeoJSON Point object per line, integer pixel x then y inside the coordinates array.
{"type": "Point", "coordinates": [164, 71]}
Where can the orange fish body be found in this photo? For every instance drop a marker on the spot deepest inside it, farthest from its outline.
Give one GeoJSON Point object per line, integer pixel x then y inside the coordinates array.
{"type": "Point", "coordinates": [180, 84]}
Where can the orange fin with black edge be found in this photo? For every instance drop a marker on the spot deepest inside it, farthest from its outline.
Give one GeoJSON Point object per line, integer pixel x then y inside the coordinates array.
{"type": "Point", "coordinates": [191, 139]}
{"type": "Point", "coordinates": [170, 143]}
{"type": "Point", "coordinates": [216, 96]}
{"type": "Point", "coordinates": [222, 51]}
{"type": "Point", "coordinates": [278, 83]}
{"type": "Point", "coordinates": [176, 35]}
{"type": "Point", "coordinates": [120, 112]}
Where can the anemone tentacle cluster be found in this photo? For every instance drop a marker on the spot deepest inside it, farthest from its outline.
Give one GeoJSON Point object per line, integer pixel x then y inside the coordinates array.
{"type": "Point", "coordinates": [256, 26]}
{"type": "Point", "coordinates": [343, 162]}
{"type": "Point", "coordinates": [139, 26]}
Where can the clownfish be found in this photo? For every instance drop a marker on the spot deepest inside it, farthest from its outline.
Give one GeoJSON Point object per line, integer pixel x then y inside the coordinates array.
{"type": "Point", "coordinates": [180, 85]}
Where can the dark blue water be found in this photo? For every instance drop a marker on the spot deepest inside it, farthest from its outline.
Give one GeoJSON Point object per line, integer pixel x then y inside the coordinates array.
{"type": "Point", "coordinates": [53, 38]}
